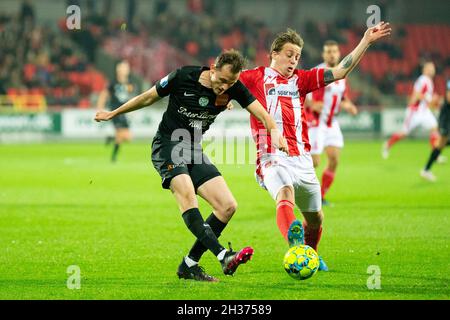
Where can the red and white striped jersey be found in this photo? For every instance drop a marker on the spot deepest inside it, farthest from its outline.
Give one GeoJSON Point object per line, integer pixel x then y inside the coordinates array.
{"type": "Point", "coordinates": [331, 96]}
{"type": "Point", "coordinates": [424, 85]}
{"type": "Point", "coordinates": [283, 98]}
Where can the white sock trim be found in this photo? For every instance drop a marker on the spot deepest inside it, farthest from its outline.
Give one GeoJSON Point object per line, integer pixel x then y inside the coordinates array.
{"type": "Point", "coordinates": [190, 262]}
{"type": "Point", "coordinates": [221, 254]}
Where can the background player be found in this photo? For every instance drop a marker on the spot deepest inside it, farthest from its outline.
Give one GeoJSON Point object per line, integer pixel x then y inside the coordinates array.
{"type": "Point", "coordinates": [418, 113]}
{"type": "Point", "coordinates": [197, 96]}
{"type": "Point", "coordinates": [323, 105]}
{"type": "Point", "coordinates": [119, 91]}
{"type": "Point", "coordinates": [443, 139]}
{"type": "Point", "coordinates": [281, 89]}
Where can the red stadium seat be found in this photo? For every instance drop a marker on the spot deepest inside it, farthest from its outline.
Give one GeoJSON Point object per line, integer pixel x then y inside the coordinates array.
{"type": "Point", "coordinates": [84, 103]}
{"type": "Point", "coordinates": [12, 92]}
{"type": "Point", "coordinates": [36, 91]}
{"type": "Point", "coordinates": [29, 70]}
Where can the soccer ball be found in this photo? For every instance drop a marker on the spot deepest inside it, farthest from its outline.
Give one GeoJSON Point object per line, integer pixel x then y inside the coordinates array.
{"type": "Point", "coordinates": [301, 262]}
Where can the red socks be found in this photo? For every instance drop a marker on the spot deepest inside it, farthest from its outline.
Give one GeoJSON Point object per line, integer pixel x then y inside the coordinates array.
{"type": "Point", "coordinates": [394, 138]}
{"type": "Point", "coordinates": [285, 216]}
{"type": "Point", "coordinates": [327, 180]}
{"type": "Point", "coordinates": [312, 236]}
{"type": "Point", "coordinates": [434, 137]}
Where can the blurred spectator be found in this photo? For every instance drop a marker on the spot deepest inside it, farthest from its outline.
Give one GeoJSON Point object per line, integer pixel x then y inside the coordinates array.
{"type": "Point", "coordinates": [161, 7]}
{"type": "Point", "coordinates": [27, 13]}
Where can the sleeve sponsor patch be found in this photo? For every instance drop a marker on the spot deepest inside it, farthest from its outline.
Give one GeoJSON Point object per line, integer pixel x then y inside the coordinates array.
{"type": "Point", "coordinates": [164, 81]}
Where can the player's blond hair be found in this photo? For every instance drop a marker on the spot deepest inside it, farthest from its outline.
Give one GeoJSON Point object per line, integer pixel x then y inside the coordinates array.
{"type": "Point", "coordinates": [288, 36]}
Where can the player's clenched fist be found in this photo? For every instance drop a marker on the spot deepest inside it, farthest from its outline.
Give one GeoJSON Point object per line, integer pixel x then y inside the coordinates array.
{"type": "Point", "coordinates": [103, 116]}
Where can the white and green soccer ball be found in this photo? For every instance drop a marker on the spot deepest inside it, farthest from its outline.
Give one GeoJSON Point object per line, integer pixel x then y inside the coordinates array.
{"type": "Point", "coordinates": [301, 262]}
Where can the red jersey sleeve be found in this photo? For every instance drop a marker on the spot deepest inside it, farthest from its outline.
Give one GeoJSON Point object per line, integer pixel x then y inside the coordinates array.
{"type": "Point", "coordinates": [318, 94]}
{"type": "Point", "coordinates": [250, 79]}
{"type": "Point", "coordinates": [310, 80]}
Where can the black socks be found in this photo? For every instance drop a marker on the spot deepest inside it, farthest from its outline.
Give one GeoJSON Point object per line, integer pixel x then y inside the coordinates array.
{"type": "Point", "coordinates": [115, 152]}
{"type": "Point", "coordinates": [202, 231]}
{"type": "Point", "coordinates": [433, 157]}
{"type": "Point", "coordinates": [198, 249]}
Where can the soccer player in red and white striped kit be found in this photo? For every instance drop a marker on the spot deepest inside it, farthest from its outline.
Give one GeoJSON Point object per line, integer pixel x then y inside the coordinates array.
{"type": "Point", "coordinates": [323, 105]}
{"type": "Point", "coordinates": [418, 113]}
{"type": "Point", "coordinates": [281, 89]}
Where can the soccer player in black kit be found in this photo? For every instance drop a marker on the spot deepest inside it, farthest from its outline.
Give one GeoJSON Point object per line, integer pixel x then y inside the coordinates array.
{"type": "Point", "coordinates": [444, 134]}
{"type": "Point", "coordinates": [197, 96]}
{"type": "Point", "coordinates": [119, 91]}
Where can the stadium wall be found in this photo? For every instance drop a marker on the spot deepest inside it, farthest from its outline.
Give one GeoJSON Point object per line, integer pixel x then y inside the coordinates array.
{"type": "Point", "coordinates": [76, 124]}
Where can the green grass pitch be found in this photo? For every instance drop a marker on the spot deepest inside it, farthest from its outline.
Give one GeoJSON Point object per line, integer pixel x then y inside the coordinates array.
{"type": "Point", "coordinates": [65, 204]}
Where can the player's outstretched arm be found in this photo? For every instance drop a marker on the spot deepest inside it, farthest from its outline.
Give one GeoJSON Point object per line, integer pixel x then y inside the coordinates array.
{"type": "Point", "coordinates": [256, 109]}
{"type": "Point", "coordinates": [143, 100]}
{"type": "Point", "coordinates": [347, 64]}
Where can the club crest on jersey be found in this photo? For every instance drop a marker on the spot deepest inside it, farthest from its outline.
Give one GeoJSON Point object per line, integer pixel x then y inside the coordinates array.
{"type": "Point", "coordinates": [203, 101]}
{"type": "Point", "coordinates": [270, 89]}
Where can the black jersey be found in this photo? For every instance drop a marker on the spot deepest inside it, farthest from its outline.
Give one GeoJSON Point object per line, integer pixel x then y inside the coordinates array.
{"type": "Point", "coordinates": [192, 106]}
{"type": "Point", "coordinates": [120, 93]}
{"type": "Point", "coordinates": [444, 120]}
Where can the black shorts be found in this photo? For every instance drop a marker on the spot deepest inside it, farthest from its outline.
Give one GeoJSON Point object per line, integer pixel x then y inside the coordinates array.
{"type": "Point", "coordinates": [120, 122]}
{"type": "Point", "coordinates": [172, 158]}
{"type": "Point", "coordinates": [444, 121]}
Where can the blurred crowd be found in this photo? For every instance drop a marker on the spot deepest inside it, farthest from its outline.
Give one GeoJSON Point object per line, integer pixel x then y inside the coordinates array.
{"type": "Point", "coordinates": [61, 64]}
{"type": "Point", "coordinates": [203, 36]}
{"type": "Point", "coordinates": [38, 59]}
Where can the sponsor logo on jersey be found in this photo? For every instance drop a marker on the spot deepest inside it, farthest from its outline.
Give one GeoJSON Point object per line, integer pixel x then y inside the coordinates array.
{"type": "Point", "coordinates": [197, 124]}
{"type": "Point", "coordinates": [270, 89]}
{"type": "Point", "coordinates": [280, 91]}
{"type": "Point", "coordinates": [164, 81]}
{"type": "Point", "coordinates": [170, 167]}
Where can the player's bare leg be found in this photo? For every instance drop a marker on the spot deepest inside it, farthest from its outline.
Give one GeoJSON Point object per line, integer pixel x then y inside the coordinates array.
{"type": "Point", "coordinates": [219, 196]}
{"type": "Point", "coordinates": [328, 175]}
{"type": "Point", "coordinates": [184, 192]}
{"type": "Point", "coordinates": [122, 135]}
{"type": "Point", "coordinates": [316, 160]}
